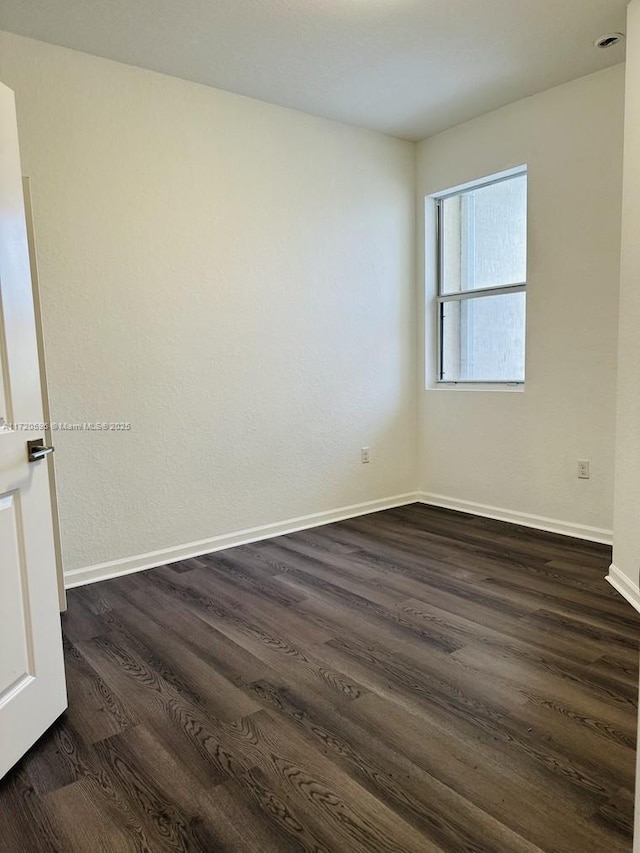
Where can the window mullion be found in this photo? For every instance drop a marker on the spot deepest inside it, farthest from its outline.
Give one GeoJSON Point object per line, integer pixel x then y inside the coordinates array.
{"type": "Point", "coordinates": [485, 291]}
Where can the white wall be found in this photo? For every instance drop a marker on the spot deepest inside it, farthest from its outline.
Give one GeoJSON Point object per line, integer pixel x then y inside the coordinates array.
{"type": "Point", "coordinates": [626, 543]}
{"type": "Point", "coordinates": [509, 452]}
{"type": "Point", "coordinates": [234, 279]}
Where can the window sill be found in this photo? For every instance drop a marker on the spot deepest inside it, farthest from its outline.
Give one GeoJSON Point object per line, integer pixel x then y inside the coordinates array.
{"type": "Point", "coordinates": [500, 387]}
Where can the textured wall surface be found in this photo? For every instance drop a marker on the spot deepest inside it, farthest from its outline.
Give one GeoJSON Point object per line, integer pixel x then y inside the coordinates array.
{"type": "Point", "coordinates": [236, 280]}
{"type": "Point", "coordinates": [519, 450]}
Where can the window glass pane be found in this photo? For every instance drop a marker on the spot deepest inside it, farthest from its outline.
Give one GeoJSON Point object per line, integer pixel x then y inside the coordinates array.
{"type": "Point", "coordinates": [484, 237]}
{"type": "Point", "coordinates": [483, 339]}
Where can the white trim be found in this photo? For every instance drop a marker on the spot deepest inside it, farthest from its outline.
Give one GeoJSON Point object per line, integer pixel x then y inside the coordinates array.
{"type": "Point", "coordinates": [539, 522]}
{"type": "Point", "coordinates": [625, 586]}
{"type": "Point", "coordinates": [128, 565]}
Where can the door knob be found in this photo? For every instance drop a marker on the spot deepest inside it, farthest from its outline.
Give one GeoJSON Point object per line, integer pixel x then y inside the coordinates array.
{"type": "Point", "coordinates": [36, 450]}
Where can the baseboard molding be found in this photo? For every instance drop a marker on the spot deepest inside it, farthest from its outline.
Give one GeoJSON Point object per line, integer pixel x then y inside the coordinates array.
{"type": "Point", "coordinates": [128, 565]}
{"type": "Point", "coordinates": [625, 586]}
{"type": "Point", "coordinates": [539, 522]}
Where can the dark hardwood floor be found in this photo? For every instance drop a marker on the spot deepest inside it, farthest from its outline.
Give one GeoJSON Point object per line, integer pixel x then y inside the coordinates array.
{"type": "Point", "coordinates": [414, 680]}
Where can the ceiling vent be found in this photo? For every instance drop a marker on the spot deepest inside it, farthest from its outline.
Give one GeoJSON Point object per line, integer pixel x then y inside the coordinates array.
{"type": "Point", "coordinates": [609, 40]}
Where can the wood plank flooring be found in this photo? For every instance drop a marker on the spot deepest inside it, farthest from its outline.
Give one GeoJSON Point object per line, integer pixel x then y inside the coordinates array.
{"type": "Point", "coordinates": [414, 680]}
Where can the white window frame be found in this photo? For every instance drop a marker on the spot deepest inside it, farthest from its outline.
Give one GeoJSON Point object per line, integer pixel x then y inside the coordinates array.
{"type": "Point", "coordinates": [435, 299]}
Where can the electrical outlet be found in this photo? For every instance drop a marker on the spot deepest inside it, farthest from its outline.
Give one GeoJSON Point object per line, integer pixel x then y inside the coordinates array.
{"type": "Point", "coordinates": [584, 469]}
{"type": "Point", "coordinates": [365, 456]}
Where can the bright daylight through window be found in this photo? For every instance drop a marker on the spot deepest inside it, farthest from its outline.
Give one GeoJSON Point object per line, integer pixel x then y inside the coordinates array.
{"type": "Point", "coordinates": [482, 275]}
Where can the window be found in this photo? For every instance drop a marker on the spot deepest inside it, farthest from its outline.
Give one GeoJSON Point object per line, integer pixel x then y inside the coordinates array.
{"type": "Point", "coordinates": [482, 275]}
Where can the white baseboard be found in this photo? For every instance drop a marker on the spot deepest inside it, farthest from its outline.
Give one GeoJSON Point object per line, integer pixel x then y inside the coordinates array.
{"type": "Point", "coordinates": [625, 586]}
{"type": "Point", "coordinates": [128, 565]}
{"type": "Point", "coordinates": [539, 522]}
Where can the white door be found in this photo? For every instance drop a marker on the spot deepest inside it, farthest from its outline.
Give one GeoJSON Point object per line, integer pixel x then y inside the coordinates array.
{"type": "Point", "coordinates": [32, 684]}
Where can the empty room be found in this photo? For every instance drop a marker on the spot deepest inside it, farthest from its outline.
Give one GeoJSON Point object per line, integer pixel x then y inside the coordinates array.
{"type": "Point", "coordinates": [319, 426]}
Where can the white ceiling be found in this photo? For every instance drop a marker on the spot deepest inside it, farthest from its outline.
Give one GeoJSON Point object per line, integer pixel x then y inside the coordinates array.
{"type": "Point", "coordinates": [409, 68]}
